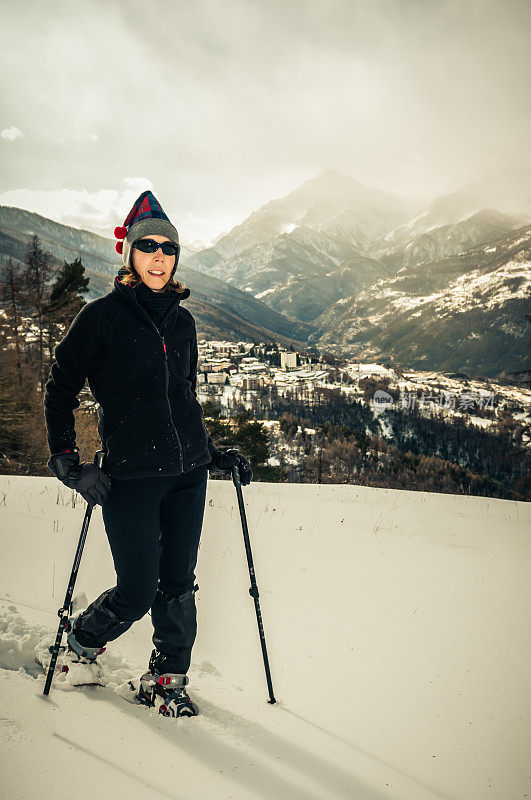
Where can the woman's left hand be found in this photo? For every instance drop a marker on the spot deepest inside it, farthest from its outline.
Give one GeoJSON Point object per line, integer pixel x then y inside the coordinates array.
{"type": "Point", "coordinates": [225, 460]}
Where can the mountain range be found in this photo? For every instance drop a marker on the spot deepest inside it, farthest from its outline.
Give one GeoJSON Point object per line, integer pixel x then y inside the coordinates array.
{"type": "Point", "coordinates": [221, 311]}
{"type": "Point", "coordinates": [340, 266]}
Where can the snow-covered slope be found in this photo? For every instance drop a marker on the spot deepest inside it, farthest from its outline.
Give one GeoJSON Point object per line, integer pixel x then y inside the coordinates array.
{"type": "Point", "coordinates": [448, 209]}
{"type": "Point", "coordinates": [465, 313]}
{"type": "Point", "coordinates": [301, 251]}
{"type": "Point", "coordinates": [395, 623]}
{"type": "Point", "coordinates": [448, 240]}
{"type": "Point", "coordinates": [306, 296]}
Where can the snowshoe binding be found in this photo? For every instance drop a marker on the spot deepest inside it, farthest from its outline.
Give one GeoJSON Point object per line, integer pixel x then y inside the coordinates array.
{"type": "Point", "coordinates": [168, 692]}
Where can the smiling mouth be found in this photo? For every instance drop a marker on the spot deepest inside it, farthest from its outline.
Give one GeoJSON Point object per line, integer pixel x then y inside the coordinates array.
{"type": "Point", "coordinates": [156, 273]}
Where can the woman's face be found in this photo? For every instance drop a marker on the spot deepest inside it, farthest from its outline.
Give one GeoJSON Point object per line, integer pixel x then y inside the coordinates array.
{"type": "Point", "coordinates": [154, 269]}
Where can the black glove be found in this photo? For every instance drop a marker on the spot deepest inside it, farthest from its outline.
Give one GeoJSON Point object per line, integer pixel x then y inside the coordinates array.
{"type": "Point", "coordinates": [225, 460]}
{"type": "Point", "coordinates": [89, 480]}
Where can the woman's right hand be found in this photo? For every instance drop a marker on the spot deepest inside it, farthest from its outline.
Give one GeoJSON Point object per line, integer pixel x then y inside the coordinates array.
{"type": "Point", "coordinates": [87, 479]}
{"type": "Point", "coordinates": [225, 460]}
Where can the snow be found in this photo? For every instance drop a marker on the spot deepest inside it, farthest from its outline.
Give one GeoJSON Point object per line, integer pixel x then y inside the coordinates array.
{"type": "Point", "coordinates": [481, 422]}
{"type": "Point", "coordinates": [260, 295]}
{"type": "Point", "coordinates": [396, 630]}
{"type": "Point", "coordinates": [472, 289]}
{"type": "Point", "coordinates": [386, 427]}
{"type": "Point", "coordinates": [356, 369]}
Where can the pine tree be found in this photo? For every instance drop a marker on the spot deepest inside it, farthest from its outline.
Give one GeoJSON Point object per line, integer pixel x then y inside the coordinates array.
{"type": "Point", "coordinates": [64, 303]}
{"type": "Point", "coordinates": [70, 283]}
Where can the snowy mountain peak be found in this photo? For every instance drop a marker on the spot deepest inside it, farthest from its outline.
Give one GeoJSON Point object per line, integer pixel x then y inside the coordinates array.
{"type": "Point", "coordinates": [331, 203]}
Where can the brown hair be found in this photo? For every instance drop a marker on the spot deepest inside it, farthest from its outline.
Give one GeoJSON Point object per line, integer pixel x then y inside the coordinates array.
{"type": "Point", "coordinates": [130, 277]}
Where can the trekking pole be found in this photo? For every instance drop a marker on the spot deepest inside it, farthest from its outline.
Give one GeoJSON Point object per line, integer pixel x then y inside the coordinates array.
{"type": "Point", "coordinates": [253, 591]}
{"type": "Point", "coordinates": [66, 609]}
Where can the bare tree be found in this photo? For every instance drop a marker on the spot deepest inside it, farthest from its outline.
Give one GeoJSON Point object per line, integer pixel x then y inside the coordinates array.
{"type": "Point", "coordinates": [14, 303]}
{"type": "Point", "coordinates": [39, 272]}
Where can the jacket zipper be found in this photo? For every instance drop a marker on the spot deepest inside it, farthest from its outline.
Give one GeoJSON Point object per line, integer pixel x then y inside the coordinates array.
{"type": "Point", "coordinates": [167, 371]}
{"type": "Point", "coordinates": [168, 399]}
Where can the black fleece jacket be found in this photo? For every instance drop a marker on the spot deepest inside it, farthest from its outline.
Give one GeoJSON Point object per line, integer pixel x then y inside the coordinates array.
{"type": "Point", "coordinates": [144, 380]}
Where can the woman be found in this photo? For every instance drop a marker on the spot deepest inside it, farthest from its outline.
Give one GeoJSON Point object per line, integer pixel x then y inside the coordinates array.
{"type": "Point", "coordinates": [138, 348]}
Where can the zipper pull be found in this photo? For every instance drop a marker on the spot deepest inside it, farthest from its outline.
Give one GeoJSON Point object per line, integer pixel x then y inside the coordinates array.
{"type": "Point", "coordinates": [164, 346]}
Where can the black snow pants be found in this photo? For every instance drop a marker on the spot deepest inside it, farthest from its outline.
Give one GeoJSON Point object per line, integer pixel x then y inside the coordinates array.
{"type": "Point", "coordinates": [153, 526]}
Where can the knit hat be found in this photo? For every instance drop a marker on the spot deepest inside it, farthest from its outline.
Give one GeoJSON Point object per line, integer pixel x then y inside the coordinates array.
{"type": "Point", "coordinates": [146, 217]}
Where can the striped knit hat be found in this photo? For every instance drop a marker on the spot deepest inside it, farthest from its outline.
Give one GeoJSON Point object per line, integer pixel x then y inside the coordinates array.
{"type": "Point", "coordinates": [145, 218]}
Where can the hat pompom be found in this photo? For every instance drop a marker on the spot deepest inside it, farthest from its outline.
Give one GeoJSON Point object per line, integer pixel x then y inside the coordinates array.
{"type": "Point", "coordinates": [120, 232]}
{"type": "Point", "coordinates": [119, 247]}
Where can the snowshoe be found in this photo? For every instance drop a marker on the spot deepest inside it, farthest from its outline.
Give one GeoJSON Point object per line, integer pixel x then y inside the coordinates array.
{"type": "Point", "coordinates": [168, 692]}
{"type": "Point", "coordinates": [77, 665]}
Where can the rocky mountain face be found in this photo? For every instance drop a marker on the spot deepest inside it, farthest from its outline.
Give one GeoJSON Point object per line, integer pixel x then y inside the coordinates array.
{"type": "Point", "coordinates": [332, 204]}
{"type": "Point", "coordinates": [344, 216]}
{"type": "Point", "coordinates": [306, 296]}
{"type": "Point", "coordinates": [467, 312]}
{"type": "Point", "coordinates": [269, 264]}
{"type": "Point", "coordinates": [440, 241]}
{"type": "Point", "coordinates": [302, 252]}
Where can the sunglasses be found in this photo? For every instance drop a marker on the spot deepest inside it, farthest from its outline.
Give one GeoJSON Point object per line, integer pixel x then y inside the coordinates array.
{"type": "Point", "coordinates": [151, 246]}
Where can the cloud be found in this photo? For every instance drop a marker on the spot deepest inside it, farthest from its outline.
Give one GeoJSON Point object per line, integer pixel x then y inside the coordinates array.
{"type": "Point", "coordinates": [138, 184]}
{"type": "Point", "coordinates": [11, 134]}
{"type": "Point", "coordinates": [198, 230]}
{"type": "Point", "coordinates": [87, 137]}
{"type": "Point", "coordinates": [98, 211]}
{"type": "Point", "coordinates": [228, 105]}
{"type": "Point", "coordinates": [101, 211]}
{"type": "Point", "coordinates": [79, 138]}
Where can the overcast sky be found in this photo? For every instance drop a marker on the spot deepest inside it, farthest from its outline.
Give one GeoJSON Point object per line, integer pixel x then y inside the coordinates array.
{"type": "Point", "coordinates": [222, 106]}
